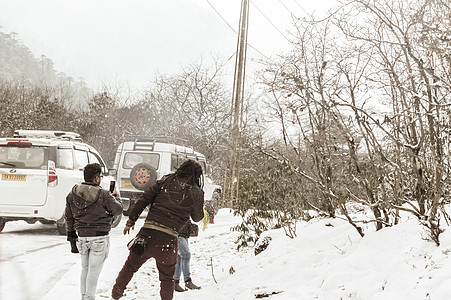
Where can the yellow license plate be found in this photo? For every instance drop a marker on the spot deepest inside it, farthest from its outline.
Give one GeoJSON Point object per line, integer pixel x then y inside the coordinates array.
{"type": "Point", "coordinates": [126, 184]}
{"type": "Point", "coordinates": [14, 177]}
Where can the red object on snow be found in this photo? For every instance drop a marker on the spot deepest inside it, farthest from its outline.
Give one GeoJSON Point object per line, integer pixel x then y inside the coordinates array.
{"type": "Point", "coordinates": [212, 218]}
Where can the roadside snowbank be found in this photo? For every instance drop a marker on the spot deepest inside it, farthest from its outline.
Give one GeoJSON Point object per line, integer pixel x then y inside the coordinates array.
{"type": "Point", "coordinates": [327, 260]}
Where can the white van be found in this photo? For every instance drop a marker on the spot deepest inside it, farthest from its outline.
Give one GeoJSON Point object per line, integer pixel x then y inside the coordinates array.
{"type": "Point", "coordinates": [38, 168]}
{"type": "Point", "coordinates": [141, 162]}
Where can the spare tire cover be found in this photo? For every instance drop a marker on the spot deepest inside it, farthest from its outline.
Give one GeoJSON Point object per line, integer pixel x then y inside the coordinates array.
{"type": "Point", "coordinates": [143, 176]}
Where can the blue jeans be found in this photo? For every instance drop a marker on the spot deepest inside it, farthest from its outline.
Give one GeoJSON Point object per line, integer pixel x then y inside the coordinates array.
{"type": "Point", "coordinates": [93, 250]}
{"type": "Point", "coordinates": [183, 258]}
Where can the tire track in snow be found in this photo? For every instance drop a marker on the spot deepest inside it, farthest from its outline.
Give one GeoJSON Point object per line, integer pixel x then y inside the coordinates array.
{"type": "Point", "coordinates": [30, 251]}
{"type": "Point", "coordinates": [52, 281]}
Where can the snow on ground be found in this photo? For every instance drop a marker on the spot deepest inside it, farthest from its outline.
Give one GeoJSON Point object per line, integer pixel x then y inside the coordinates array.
{"type": "Point", "coordinates": [327, 260]}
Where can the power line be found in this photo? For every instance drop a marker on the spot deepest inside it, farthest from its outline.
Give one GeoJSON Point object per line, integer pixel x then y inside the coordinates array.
{"type": "Point", "coordinates": [289, 10]}
{"type": "Point", "coordinates": [292, 14]}
{"type": "Point", "coordinates": [296, 1]}
{"type": "Point", "coordinates": [223, 65]}
{"type": "Point", "coordinates": [234, 29]}
{"type": "Point", "coordinates": [271, 22]}
{"type": "Point", "coordinates": [222, 17]}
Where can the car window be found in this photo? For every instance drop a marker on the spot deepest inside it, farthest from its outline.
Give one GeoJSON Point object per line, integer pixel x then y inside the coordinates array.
{"type": "Point", "coordinates": [116, 159]}
{"type": "Point", "coordinates": [131, 159]}
{"type": "Point", "coordinates": [174, 163]}
{"type": "Point", "coordinates": [64, 159]}
{"type": "Point", "coordinates": [24, 157]}
{"type": "Point", "coordinates": [93, 158]}
{"type": "Point", "coordinates": [81, 159]}
{"type": "Point", "coordinates": [177, 160]}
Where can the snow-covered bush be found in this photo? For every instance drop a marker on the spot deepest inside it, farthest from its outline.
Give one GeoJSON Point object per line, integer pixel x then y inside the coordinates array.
{"type": "Point", "coordinates": [270, 197]}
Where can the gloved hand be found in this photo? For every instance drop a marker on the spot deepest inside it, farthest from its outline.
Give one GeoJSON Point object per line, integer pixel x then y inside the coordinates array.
{"type": "Point", "coordinates": [73, 246]}
{"type": "Point", "coordinates": [72, 237]}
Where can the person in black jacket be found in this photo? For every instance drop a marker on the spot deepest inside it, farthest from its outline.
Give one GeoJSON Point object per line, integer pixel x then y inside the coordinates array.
{"type": "Point", "coordinates": [89, 214]}
{"type": "Point", "coordinates": [173, 200]}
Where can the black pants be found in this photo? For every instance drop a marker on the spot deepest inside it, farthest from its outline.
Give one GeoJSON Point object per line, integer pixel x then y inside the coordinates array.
{"type": "Point", "coordinates": [165, 255]}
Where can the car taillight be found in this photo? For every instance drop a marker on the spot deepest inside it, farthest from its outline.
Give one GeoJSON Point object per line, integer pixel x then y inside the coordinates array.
{"type": "Point", "coordinates": [19, 142]}
{"type": "Point", "coordinates": [51, 172]}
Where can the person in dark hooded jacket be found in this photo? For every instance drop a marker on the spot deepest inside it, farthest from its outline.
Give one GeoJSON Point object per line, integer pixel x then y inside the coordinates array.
{"type": "Point", "coordinates": [173, 200]}
{"type": "Point", "coordinates": [89, 214]}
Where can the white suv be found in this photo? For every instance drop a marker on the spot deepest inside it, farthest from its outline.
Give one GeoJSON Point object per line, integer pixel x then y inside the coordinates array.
{"type": "Point", "coordinates": [38, 169]}
{"type": "Point", "coordinates": [141, 162]}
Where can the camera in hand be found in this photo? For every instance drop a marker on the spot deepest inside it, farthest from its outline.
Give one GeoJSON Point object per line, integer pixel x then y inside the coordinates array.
{"type": "Point", "coordinates": [112, 184]}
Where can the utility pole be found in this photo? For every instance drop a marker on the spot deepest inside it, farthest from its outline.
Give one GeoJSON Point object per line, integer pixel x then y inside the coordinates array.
{"type": "Point", "coordinates": [237, 102]}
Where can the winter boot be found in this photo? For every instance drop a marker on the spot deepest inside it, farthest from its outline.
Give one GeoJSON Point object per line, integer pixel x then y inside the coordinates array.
{"type": "Point", "coordinates": [177, 287]}
{"type": "Point", "coordinates": [189, 284]}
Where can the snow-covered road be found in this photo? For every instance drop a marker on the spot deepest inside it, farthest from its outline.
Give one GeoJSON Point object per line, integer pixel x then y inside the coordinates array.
{"type": "Point", "coordinates": [36, 262]}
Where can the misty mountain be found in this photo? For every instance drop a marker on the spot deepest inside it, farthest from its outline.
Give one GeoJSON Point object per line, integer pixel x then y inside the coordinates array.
{"type": "Point", "coordinates": [18, 63]}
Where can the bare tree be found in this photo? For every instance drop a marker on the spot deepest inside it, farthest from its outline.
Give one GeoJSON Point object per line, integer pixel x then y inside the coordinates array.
{"type": "Point", "coordinates": [380, 94]}
{"type": "Point", "coordinates": [410, 77]}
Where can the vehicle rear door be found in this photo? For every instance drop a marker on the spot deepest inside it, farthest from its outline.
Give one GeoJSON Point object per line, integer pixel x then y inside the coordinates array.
{"type": "Point", "coordinates": [23, 173]}
{"type": "Point", "coordinates": [131, 159]}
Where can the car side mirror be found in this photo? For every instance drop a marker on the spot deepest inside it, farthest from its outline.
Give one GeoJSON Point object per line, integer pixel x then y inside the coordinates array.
{"type": "Point", "coordinates": [209, 171]}
{"type": "Point", "coordinates": [112, 172]}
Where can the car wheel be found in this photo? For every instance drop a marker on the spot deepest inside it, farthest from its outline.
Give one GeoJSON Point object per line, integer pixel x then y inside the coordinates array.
{"type": "Point", "coordinates": [116, 221]}
{"type": "Point", "coordinates": [61, 227]}
{"type": "Point", "coordinates": [143, 176]}
{"type": "Point", "coordinates": [47, 222]}
{"type": "Point", "coordinates": [2, 224]}
{"type": "Point", "coordinates": [131, 204]}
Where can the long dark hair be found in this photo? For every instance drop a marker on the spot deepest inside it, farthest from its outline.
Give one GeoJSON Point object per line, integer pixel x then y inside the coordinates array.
{"type": "Point", "coordinates": [191, 170]}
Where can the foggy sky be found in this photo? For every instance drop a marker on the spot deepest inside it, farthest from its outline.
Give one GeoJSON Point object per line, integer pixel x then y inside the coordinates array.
{"type": "Point", "coordinates": [132, 40]}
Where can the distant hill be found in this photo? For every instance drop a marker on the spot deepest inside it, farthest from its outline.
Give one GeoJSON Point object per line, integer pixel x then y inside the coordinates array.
{"type": "Point", "coordinates": [17, 62]}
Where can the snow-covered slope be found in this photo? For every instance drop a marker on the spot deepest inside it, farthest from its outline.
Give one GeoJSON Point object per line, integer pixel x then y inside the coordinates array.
{"type": "Point", "coordinates": [327, 260]}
